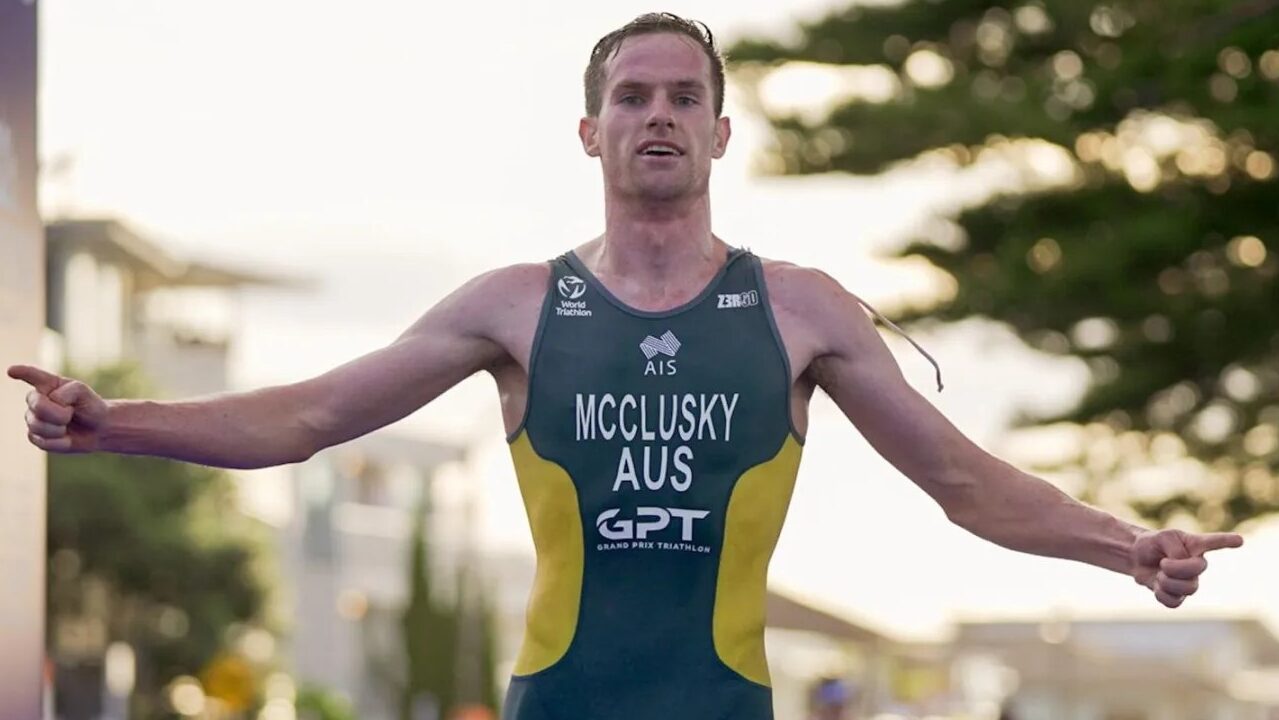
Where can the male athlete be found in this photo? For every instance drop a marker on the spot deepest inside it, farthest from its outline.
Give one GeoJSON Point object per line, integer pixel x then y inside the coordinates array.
{"type": "Point", "coordinates": [655, 384]}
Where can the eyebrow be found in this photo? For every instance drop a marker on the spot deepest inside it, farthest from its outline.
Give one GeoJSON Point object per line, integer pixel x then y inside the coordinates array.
{"type": "Point", "coordinates": [681, 84]}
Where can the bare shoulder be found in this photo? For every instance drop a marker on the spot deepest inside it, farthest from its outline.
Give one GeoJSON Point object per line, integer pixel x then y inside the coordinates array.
{"type": "Point", "coordinates": [816, 305]}
{"type": "Point", "coordinates": [490, 304]}
{"type": "Point", "coordinates": [506, 304]}
{"type": "Point", "coordinates": [503, 290]}
{"type": "Point", "coordinates": [796, 285]}
{"type": "Point", "coordinates": [512, 284]}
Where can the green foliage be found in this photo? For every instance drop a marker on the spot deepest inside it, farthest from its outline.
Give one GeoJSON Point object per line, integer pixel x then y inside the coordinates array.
{"type": "Point", "coordinates": [488, 654]}
{"type": "Point", "coordinates": [1158, 262]}
{"type": "Point", "coordinates": [317, 703]}
{"type": "Point", "coordinates": [430, 633]}
{"type": "Point", "coordinates": [441, 635]}
{"type": "Point", "coordinates": [170, 561]}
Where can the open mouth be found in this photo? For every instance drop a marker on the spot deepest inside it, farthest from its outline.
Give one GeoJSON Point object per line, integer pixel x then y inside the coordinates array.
{"type": "Point", "coordinates": [660, 150]}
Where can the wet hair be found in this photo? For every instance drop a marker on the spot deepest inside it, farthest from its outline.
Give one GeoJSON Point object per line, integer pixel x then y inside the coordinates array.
{"type": "Point", "coordinates": [647, 24]}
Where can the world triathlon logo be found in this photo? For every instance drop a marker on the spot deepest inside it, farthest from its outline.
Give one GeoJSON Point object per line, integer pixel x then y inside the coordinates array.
{"type": "Point", "coordinates": [571, 287]}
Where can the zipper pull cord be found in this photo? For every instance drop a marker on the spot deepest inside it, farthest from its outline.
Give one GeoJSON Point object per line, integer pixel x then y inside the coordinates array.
{"type": "Point", "coordinates": [909, 339]}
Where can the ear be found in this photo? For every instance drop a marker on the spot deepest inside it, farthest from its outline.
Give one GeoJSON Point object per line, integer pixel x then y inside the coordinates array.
{"type": "Point", "coordinates": [588, 131]}
{"type": "Point", "coordinates": [723, 130]}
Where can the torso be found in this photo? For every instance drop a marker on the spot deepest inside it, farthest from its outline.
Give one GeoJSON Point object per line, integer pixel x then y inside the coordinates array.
{"type": "Point", "coordinates": [656, 449]}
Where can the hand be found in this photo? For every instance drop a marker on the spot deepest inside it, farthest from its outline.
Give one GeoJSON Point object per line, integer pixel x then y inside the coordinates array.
{"type": "Point", "coordinates": [1171, 561]}
{"type": "Point", "coordinates": [63, 415]}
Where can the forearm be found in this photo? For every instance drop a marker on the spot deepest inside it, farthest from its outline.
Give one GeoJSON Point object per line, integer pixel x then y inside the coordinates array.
{"type": "Point", "coordinates": [234, 430]}
{"type": "Point", "coordinates": [1024, 513]}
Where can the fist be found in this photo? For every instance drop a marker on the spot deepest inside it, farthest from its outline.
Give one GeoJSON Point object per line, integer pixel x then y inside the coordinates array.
{"type": "Point", "coordinates": [1170, 562]}
{"type": "Point", "coordinates": [63, 415]}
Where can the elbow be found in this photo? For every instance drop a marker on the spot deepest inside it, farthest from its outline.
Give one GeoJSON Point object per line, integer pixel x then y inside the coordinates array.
{"type": "Point", "coordinates": [300, 454]}
{"type": "Point", "coordinates": [956, 493]}
{"type": "Point", "coordinates": [308, 438]}
{"type": "Point", "coordinates": [972, 489]}
{"type": "Point", "coordinates": [958, 514]}
{"type": "Point", "coordinates": [311, 426]}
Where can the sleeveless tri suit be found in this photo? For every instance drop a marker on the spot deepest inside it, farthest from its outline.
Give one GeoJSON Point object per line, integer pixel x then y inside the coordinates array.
{"type": "Point", "coordinates": [656, 461]}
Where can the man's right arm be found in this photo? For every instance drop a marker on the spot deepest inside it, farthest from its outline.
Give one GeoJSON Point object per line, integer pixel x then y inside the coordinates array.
{"type": "Point", "coordinates": [289, 423]}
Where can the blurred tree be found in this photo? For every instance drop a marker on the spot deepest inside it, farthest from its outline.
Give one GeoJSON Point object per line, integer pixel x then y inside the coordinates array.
{"type": "Point", "coordinates": [487, 619]}
{"type": "Point", "coordinates": [1153, 256]}
{"type": "Point", "coordinates": [477, 649]}
{"type": "Point", "coordinates": [430, 634]}
{"type": "Point", "coordinates": [449, 642]}
{"type": "Point", "coordinates": [150, 552]}
{"type": "Point", "coordinates": [317, 703]}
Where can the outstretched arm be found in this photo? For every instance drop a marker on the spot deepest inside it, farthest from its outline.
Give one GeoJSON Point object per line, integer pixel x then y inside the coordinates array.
{"type": "Point", "coordinates": [286, 423]}
{"type": "Point", "coordinates": [976, 490]}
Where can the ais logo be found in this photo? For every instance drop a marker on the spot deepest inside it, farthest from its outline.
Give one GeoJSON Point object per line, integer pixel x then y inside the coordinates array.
{"type": "Point", "coordinates": [647, 520]}
{"type": "Point", "coordinates": [667, 345]}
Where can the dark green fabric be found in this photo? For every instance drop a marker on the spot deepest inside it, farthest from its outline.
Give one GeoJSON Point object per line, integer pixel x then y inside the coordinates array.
{"type": "Point", "coordinates": [643, 646]}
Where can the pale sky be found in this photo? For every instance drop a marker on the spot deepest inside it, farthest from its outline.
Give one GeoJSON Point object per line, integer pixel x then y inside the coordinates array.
{"type": "Point", "coordinates": [393, 149]}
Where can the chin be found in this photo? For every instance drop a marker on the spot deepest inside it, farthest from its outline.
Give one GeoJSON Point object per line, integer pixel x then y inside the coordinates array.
{"type": "Point", "coordinates": [664, 192]}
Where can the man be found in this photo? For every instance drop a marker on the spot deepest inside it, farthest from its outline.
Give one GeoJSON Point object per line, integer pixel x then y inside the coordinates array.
{"type": "Point", "coordinates": [655, 384]}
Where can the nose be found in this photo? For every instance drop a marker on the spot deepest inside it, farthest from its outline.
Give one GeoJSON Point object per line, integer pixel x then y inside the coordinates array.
{"type": "Point", "coordinates": [660, 115]}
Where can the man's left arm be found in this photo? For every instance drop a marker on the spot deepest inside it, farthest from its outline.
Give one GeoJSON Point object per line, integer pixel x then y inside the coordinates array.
{"type": "Point", "coordinates": [977, 491]}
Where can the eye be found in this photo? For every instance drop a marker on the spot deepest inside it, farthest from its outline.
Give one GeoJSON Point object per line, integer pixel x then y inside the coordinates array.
{"type": "Point", "coordinates": [631, 99]}
{"type": "Point", "coordinates": [686, 100]}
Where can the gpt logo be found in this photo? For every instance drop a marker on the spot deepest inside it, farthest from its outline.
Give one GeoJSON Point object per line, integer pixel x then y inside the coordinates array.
{"type": "Point", "coordinates": [666, 345]}
{"type": "Point", "coordinates": [647, 520]}
{"type": "Point", "coordinates": [571, 287]}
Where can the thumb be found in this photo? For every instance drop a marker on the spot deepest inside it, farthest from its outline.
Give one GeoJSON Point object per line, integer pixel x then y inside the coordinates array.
{"type": "Point", "coordinates": [44, 382]}
{"type": "Point", "coordinates": [72, 393]}
{"type": "Point", "coordinates": [1172, 543]}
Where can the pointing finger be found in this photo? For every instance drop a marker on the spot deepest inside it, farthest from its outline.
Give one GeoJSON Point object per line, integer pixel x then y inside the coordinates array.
{"type": "Point", "coordinates": [41, 380]}
{"type": "Point", "coordinates": [1200, 544]}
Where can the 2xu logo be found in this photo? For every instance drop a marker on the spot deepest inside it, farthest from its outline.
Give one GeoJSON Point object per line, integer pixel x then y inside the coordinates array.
{"type": "Point", "coordinates": [647, 520]}
{"type": "Point", "coordinates": [750, 298]}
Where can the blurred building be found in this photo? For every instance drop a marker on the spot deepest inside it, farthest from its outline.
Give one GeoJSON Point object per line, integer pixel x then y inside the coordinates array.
{"type": "Point", "coordinates": [115, 295]}
{"type": "Point", "coordinates": [112, 295]}
{"type": "Point", "coordinates": [345, 555]}
{"type": "Point", "coordinates": [806, 645]}
{"type": "Point", "coordinates": [1215, 669]}
{"type": "Point", "coordinates": [344, 517]}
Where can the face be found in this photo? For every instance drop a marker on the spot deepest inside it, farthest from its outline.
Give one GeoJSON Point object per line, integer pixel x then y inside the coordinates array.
{"type": "Point", "coordinates": [656, 132]}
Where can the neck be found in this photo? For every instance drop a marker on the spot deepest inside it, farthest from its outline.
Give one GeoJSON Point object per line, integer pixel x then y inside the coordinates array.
{"type": "Point", "coordinates": [657, 242]}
